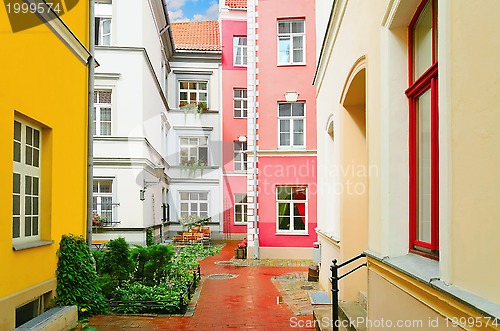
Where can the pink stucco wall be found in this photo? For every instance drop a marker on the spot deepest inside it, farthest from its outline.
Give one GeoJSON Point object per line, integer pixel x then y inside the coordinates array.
{"type": "Point", "coordinates": [275, 80]}
{"type": "Point", "coordinates": [232, 77]}
{"type": "Point", "coordinates": [299, 170]}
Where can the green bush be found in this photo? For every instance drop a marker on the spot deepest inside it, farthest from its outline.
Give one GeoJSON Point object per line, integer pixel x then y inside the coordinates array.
{"type": "Point", "coordinates": [151, 262]}
{"type": "Point", "coordinates": [117, 262]}
{"type": "Point", "coordinates": [76, 277]}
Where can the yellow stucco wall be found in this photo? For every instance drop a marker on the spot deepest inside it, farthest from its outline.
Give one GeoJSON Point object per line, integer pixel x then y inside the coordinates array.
{"type": "Point", "coordinates": [42, 80]}
{"type": "Point", "coordinates": [475, 118]}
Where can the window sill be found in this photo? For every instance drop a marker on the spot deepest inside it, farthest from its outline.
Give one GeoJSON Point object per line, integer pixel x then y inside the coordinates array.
{"type": "Point", "coordinates": [33, 244]}
{"type": "Point", "coordinates": [291, 64]}
{"type": "Point", "coordinates": [426, 271]}
{"type": "Point", "coordinates": [241, 224]}
{"type": "Point", "coordinates": [292, 233]}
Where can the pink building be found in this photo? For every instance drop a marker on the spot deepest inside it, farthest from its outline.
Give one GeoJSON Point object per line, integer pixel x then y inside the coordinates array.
{"type": "Point", "coordinates": [268, 63]}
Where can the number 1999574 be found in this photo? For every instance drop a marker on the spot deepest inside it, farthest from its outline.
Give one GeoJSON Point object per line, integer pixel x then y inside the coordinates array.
{"type": "Point", "coordinates": [32, 8]}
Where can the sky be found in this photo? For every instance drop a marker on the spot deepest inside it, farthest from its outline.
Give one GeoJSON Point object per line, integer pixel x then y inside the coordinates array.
{"type": "Point", "coordinates": [192, 10]}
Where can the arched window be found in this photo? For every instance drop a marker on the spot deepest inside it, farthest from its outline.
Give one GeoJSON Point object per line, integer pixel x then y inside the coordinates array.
{"type": "Point", "coordinates": [423, 129]}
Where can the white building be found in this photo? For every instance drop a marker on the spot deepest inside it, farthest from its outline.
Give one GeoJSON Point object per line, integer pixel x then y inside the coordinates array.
{"type": "Point", "coordinates": [133, 47]}
{"type": "Point", "coordinates": [194, 140]}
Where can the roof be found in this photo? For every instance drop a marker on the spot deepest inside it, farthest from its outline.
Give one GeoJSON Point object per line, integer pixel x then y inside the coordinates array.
{"type": "Point", "coordinates": [236, 3]}
{"type": "Point", "coordinates": [196, 36]}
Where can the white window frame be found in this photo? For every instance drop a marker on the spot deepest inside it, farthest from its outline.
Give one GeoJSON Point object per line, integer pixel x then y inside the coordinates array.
{"type": "Point", "coordinates": [190, 203]}
{"type": "Point", "coordinates": [243, 58]}
{"type": "Point", "coordinates": [103, 13]}
{"type": "Point", "coordinates": [98, 108]}
{"type": "Point", "coordinates": [189, 147]}
{"type": "Point", "coordinates": [195, 90]}
{"type": "Point", "coordinates": [240, 158]}
{"type": "Point", "coordinates": [290, 36]}
{"type": "Point", "coordinates": [24, 169]}
{"type": "Point", "coordinates": [291, 207]}
{"type": "Point", "coordinates": [290, 120]}
{"type": "Point", "coordinates": [241, 100]}
{"type": "Point", "coordinates": [238, 198]}
{"type": "Point", "coordinates": [99, 195]}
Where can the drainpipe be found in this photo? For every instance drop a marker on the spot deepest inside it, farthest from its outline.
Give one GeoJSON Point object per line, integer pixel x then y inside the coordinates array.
{"type": "Point", "coordinates": [90, 122]}
{"type": "Point", "coordinates": [255, 217]}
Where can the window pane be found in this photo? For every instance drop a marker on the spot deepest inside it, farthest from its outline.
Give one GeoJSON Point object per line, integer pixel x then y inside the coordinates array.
{"type": "Point", "coordinates": [17, 183]}
{"type": "Point", "coordinates": [17, 151]}
{"type": "Point", "coordinates": [283, 27]}
{"type": "Point", "coordinates": [105, 114]}
{"type": "Point", "coordinates": [16, 227]}
{"type": "Point", "coordinates": [36, 138]}
{"type": "Point", "coordinates": [28, 156]}
{"type": "Point", "coordinates": [285, 109]}
{"type": "Point", "coordinates": [284, 209]}
{"type": "Point", "coordinates": [298, 132]}
{"type": "Point", "coordinates": [284, 50]}
{"type": "Point", "coordinates": [193, 196]}
{"type": "Point", "coordinates": [424, 167]}
{"type": "Point", "coordinates": [105, 186]}
{"type": "Point", "coordinates": [184, 196]}
{"type": "Point", "coordinates": [284, 223]}
{"type": "Point", "coordinates": [27, 226]}
{"type": "Point", "coordinates": [16, 205]}
{"type": "Point", "coordinates": [298, 26]}
{"type": "Point", "coordinates": [35, 226]}
{"type": "Point", "coordinates": [422, 42]}
{"type": "Point", "coordinates": [284, 192]}
{"type": "Point", "coordinates": [203, 196]}
{"type": "Point", "coordinates": [17, 131]}
{"type": "Point", "coordinates": [36, 157]}
{"type": "Point", "coordinates": [202, 86]}
{"type": "Point", "coordinates": [298, 109]}
{"type": "Point", "coordinates": [105, 129]}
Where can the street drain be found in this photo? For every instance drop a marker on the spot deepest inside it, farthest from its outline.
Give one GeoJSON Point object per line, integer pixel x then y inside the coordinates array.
{"type": "Point", "coordinates": [306, 287]}
{"type": "Point", "coordinates": [221, 276]}
{"type": "Point", "coordinates": [224, 262]}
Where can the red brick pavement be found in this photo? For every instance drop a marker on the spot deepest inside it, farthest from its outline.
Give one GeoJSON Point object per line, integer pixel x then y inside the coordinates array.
{"type": "Point", "coordinates": [242, 303]}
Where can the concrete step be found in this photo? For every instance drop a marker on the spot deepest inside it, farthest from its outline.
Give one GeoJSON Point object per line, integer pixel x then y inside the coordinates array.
{"type": "Point", "coordinates": [352, 317]}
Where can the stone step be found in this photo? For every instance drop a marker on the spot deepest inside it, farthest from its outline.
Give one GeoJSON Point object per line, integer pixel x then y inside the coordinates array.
{"type": "Point", "coordinates": [352, 317]}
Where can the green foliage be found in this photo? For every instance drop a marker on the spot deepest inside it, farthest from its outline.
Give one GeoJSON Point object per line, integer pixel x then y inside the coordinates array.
{"type": "Point", "coordinates": [149, 237]}
{"type": "Point", "coordinates": [117, 262]}
{"type": "Point", "coordinates": [138, 298]}
{"type": "Point", "coordinates": [151, 262]}
{"type": "Point", "coordinates": [76, 277]}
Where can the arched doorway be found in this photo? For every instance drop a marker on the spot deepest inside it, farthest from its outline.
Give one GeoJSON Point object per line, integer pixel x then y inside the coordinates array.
{"type": "Point", "coordinates": [354, 178]}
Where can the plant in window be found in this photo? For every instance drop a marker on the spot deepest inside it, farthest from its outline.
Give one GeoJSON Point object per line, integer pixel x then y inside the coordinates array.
{"type": "Point", "coordinates": [196, 108]}
{"type": "Point", "coordinates": [193, 220]}
{"type": "Point", "coordinates": [98, 220]}
{"type": "Point", "coordinates": [192, 166]}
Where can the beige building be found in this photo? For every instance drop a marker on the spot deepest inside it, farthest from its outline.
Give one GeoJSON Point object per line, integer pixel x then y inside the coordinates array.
{"type": "Point", "coordinates": [407, 98]}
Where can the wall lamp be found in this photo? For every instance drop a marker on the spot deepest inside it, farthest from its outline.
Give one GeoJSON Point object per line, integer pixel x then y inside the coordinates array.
{"type": "Point", "coordinates": [158, 173]}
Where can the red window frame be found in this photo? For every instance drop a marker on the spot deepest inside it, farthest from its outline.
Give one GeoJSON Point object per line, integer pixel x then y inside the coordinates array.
{"type": "Point", "coordinates": [418, 86]}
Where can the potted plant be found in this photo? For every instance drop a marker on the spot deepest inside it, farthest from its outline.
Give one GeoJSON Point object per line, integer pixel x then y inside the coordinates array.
{"type": "Point", "coordinates": [241, 251]}
{"type": "Point", "coordinates": [98, 220]}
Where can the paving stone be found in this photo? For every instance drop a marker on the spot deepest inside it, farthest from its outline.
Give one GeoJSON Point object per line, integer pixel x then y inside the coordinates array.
{"type": "Point", "coordinates": [244, 302]}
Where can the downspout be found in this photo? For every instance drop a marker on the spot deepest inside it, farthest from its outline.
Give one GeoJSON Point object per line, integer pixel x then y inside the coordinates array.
{"type": "Point", "coordinates": [90, 122]}
{"type": "Point", "coordinates": [255, 205]}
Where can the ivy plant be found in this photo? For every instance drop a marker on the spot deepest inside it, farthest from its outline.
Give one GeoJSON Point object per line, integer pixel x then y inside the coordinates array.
{"type": "Point", "coordinates": [76, 277]}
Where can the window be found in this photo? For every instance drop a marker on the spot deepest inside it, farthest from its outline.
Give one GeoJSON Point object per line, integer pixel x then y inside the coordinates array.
{"type": "Point", "coordinates": [240, 103]}
{"type": "Point", "coordinates": [240, 208]}
{"type": "Point", "coordinates": [102, 113]}
{"type": "Point", "coordinates": [291, 123]}
{"type": "Point", "coordinates": [191, 92]}
{"type": "Point", "coordinates": [240, 51]}
{"type": "Point", "coordinates": [29, 311]}
{"type": "Point", "coordinates": [103, 12]}
{"type": "Point", "coordinates": [194, 203]}
{"type": "Point", "coordinates": [291, 204]}
{"type": "Point", "coordinates": [26, 182]}
{"type": "Point", "coordinates": [423, 121]}
{"type": "Point", "coordinates": [240, 156]}
{"type": "Point", "coordinates": [102, 200]}
{"type": "Point", "coordinates": [194, 150]}
{"type": "Point", "coordinates": [291, 42]}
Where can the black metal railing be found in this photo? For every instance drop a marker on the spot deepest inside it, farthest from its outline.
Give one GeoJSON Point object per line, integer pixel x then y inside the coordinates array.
{"type": "Point", "coordinates": [335, 285]}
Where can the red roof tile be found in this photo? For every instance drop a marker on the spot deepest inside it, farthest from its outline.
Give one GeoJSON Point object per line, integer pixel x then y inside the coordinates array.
{"type": "Point", "coordinates": [236, 3]}
{"type": "Point", "coordinates": [196, 36]}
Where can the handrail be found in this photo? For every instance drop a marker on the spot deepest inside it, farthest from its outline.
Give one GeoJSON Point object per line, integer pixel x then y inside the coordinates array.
{"type": "Point", "coordinates": [335, 285]}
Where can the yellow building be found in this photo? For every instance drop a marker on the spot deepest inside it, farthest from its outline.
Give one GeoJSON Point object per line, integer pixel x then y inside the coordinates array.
{"type": "Point", "coordinates": [408, 157]}
{"type": "Point", "coordinates": [43, 139]}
